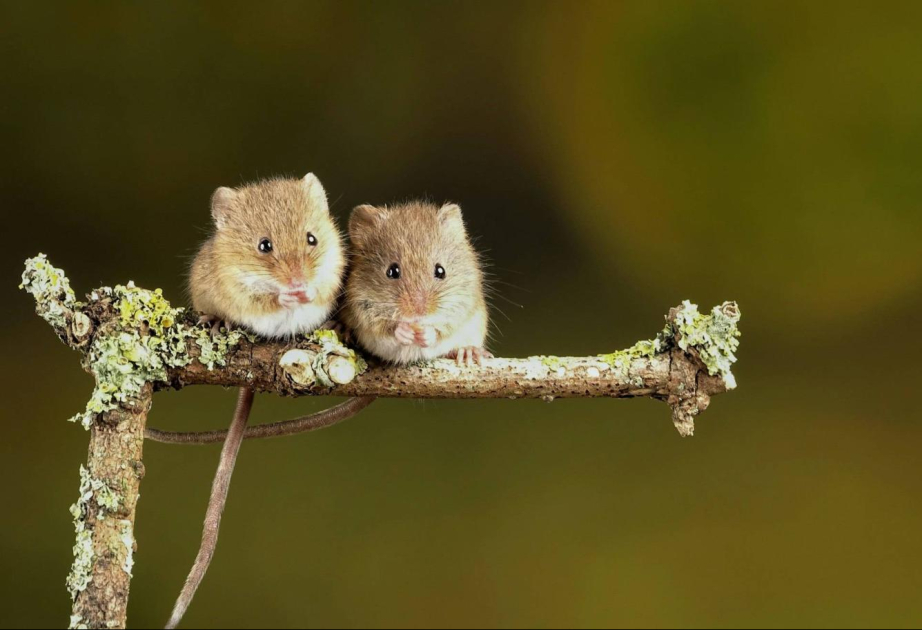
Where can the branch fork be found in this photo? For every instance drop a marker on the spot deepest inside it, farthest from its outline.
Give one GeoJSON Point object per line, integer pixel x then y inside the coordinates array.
{"type": "Point", "coordinates": [135, 343]}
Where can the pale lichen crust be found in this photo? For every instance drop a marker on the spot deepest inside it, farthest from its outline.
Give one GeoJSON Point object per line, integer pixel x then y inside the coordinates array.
{"type": "Point", "coordinates": [51, 290]}
{"type": "Point", "coordinates": [81, 573]}
{"type": "Point", "coordinates": [714, 336]}
{"type": "Point", "coordinates": [107, 501]}
{"type": "Point", "coordinates": [150, 338]}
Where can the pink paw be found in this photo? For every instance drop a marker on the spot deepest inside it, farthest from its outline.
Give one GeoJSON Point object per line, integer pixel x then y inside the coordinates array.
{"type": "Point", "coordinates": [469, 355]}
{"type": "Point", "coordinates": [426, 336]}
{"type": "Point", "coordinates": [405, 334]}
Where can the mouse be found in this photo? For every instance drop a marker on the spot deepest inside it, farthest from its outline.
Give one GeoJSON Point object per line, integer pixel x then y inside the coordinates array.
{"type": "Point", "coordinates": [273, 266]}
{"type": "Point", "coordinates": [275, 261]}
{"type": "Point", "coordinates": [414, 291]}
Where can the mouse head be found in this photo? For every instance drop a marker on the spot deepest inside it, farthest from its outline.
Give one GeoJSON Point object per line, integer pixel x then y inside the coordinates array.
{"type": "Point", "coordinates": [413, 263]}
{"type": "Point", "coordinates": [277, 241]}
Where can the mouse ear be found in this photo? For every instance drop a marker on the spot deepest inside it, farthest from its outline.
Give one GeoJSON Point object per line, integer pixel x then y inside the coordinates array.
{"type": "Point", "coordinates": [362, 221]}
{"type": "Point", "coordinates": [450, 217]}
{"type": "Point", "coordinates": [221, 201]}
{"type": "Point", "coordinates": [316, 195]}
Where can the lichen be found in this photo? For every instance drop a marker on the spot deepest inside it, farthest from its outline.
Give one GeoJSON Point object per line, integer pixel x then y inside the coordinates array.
{"type": "Point", "coordinates": [127, 537]}
{"type": "Point", "coordinates": [107, 500]}
{"type": "Point", "coordinates": [648, 348]}
{"type": "Point", "coordinates": [51, 290]}
{"type": "Point", "coordinates": [149, 337]}
{"type": "Point", "coordinates": [214, 348]}
{"type": "Point", "coordinates": [81, 572]}
{"type": "Point", "coordinates": [92, 488]}
{"type": "Point", "coordinates": [78, 623]}
{"type": "Point", "coordinates": [536, 369]}
{"type": "Point", "coordinates": [146, 339]}
{"type": "Point", "coordinates": [714, 336]}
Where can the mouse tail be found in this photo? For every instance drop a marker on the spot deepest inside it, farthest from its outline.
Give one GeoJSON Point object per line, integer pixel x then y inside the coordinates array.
{"type": "Point", "coordinates": [219, 488]}
{"type": "Point", "coordinates": [303, 424]}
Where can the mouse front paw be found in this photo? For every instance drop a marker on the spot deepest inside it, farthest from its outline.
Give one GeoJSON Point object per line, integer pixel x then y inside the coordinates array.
{"type": "Point", "coordinates": [426, 336]}
{"type": "Point", "coordinates": [468, 355]}
{"type": "Point", "coordinates": [404, 334]}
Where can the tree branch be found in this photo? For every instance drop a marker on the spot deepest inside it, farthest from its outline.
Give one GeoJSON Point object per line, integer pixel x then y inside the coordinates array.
{"type": "Point", "coordinates": [135, 343]}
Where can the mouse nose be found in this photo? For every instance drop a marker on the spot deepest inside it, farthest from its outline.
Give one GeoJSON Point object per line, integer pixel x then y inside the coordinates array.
{"type": "Point", "coordinates": [417, 303]}
{"type": "Point", "coordinates": [298, 290]}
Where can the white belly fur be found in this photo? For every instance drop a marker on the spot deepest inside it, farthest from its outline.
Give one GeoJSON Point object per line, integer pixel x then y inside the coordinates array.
{"type": "Point", "coordinates": [288, 322]}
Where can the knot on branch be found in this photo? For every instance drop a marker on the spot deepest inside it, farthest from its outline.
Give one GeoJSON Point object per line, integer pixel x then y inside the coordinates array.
{"type": "Point", "coordinates": [326, 362]}
{"type": "Point", "coordinates": [703, 352]}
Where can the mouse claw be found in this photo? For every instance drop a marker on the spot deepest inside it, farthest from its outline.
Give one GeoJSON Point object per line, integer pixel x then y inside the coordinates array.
{"type": "Point", "coordinates": [215, 323]}
{"type": "Point", "coordinates": [469, 355]}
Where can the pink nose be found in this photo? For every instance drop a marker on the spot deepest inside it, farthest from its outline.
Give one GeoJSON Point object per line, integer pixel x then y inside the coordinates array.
{"type": "Point", "coordinates": [419, 304]}
{"type": "Point", "coordinates": [299, 292]}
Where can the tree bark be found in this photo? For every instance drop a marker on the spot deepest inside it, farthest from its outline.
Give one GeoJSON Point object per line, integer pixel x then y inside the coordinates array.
{"type": "Point", "coordinates": [106, 510]}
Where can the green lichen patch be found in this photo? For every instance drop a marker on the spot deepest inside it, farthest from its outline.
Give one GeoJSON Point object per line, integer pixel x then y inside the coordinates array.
{"type": "Point", "coordinates": [91, 488]}
{"type": "Point", "coordinates": [106, 500]}
{"type": "Point", "coordinates": [214, 348]}
{"type": "Point", "coordinates": [149, 337]}
{"type": "Point", "coordinates": [648, 348]}
{"type": "Point", "coordinates": [552, 363]}
{"type": "Point", "coordinates": [81, 572]}
{"type": "Point", "coordinates": [51, 290]}
{"type": "Point", "coordinates": [714, 336]}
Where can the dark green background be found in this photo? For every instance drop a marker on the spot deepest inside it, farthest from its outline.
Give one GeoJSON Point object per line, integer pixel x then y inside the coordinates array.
{"type": "Point", "coordinates": [614, 159]}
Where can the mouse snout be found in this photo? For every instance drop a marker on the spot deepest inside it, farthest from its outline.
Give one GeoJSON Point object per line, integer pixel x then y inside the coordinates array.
{"type": "Point", "coordinates": [297, 291]}
{"type": "Point", "coordinates": [415, 304]}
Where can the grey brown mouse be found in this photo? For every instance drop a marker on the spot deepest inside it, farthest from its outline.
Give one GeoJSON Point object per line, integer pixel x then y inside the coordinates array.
{"type": "Point", "coordinates": [415, 286]}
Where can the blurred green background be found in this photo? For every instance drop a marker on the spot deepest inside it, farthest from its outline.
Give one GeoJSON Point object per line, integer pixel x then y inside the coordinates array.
{"type": "Point", "coordinates": [614, 158]}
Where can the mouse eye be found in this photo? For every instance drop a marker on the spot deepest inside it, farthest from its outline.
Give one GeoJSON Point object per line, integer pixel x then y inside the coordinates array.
{"type": "Point", "coordinates": [393, 272]}
{"type": "Point", "coordinates": [439, 272]}
{"type": "Point", "coordinates": [311, 239]}
{"type": "Point", "coordinates": [265, 246]}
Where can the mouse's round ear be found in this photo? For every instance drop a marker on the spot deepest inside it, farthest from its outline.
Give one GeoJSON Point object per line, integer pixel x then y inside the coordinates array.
{"type": "Point", "coordinates": [221, 202]}
{"type": "Point", "coordinates": [450, 217]}
{"type": "Point", "coordinates": [362, 221]}
{"type": "Point", "coordinates": [316, 195]}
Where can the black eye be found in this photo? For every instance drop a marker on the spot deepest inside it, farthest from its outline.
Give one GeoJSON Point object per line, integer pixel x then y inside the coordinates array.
{"type": "Point", "coordinates": [311, 240]}
{"type": "Point", "coordinates": [440, 272]}
{"type": "Point", "coordinates": [393, 272]}
{"type": "Point", "coordinates": [265, 246]}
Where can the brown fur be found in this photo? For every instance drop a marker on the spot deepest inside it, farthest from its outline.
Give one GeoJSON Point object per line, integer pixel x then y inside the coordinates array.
{"type": "Point", "coordinates": [417, 236]}
{"type": "Point", "coordinates": [229, 264]}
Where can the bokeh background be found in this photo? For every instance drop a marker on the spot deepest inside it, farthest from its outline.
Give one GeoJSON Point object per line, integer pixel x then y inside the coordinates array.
{"type": "Point", "coordinates": [614, 159]}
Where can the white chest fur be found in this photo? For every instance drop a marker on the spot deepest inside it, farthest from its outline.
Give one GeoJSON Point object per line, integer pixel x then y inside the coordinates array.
{"type": "Point", "coordinates": [288, 322]}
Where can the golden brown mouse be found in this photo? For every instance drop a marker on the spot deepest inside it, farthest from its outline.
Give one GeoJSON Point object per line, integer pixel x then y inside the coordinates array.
{"type": "Point", "coordinates": [273, 266]}
{"type": "Point", "coordinates": [415, 286]}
